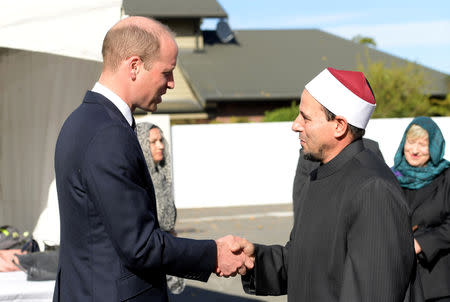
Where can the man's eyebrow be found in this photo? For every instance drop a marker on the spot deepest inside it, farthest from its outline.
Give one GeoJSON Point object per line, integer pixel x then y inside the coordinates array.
{"type": "Point", "coordinates": [305, 115]}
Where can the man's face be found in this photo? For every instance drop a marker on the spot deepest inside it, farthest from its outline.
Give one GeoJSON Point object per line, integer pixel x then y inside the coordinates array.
{"type": "Point", "coordinates": [156, 145]}
{"type": "Point", "coordinates": [155, 82]}
{"type": "Point", "coordinates": [416, 151]}
{"type": "Point", "coordinates": [315, 132]}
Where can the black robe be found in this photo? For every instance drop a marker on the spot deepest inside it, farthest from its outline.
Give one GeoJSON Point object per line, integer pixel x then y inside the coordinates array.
{"type": "Point", "coordinates": [305, 167]}
{"type": "Point", "coordinates": [431, 214]}
{"type": "Point", "coordinates": [351, 239]}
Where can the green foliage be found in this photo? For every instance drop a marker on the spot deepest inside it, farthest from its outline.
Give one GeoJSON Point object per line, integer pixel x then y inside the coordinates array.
{"type": "Point", "coordinates": [364, 40]}
{"type": "Point", "coordinates": [439, 107]}
{"type": "Point", "coordinates": [282, 114]}
{"type": "Point", "coordinates": [239, 119]}
{"type": "Point", "coordinates": [399, 91]}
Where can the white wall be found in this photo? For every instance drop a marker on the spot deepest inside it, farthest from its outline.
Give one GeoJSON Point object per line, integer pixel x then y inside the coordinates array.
{"type": "Point", "coordinates": [246, 164]}
{"type": "Point", "coordinates": [233, 164]}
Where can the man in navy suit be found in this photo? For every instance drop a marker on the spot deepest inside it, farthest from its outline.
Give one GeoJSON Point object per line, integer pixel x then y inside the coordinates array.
{"type": "Point", "coordinates": [112, 248]}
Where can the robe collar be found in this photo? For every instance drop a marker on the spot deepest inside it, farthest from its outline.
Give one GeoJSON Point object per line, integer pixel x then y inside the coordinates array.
{"type": "Point", "coordinates": [339, 160]}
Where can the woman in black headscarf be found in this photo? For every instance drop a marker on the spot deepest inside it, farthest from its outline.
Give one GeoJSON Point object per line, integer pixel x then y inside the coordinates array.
{"type": "Point", "coordinates": [157, 156]}
{"type": "Point", "coordinates": [423, 173]}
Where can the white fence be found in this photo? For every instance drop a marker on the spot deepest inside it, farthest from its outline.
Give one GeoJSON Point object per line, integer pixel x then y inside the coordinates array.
{"type": "Point", "coordinates": [247, 164]}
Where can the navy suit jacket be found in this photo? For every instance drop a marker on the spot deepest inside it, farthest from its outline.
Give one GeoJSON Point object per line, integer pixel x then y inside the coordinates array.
{"type": "Point", "coordinates": [112, 248]}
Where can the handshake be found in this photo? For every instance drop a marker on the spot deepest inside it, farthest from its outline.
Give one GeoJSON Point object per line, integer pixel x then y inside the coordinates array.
{"type": "Point", "coordinates": [234, 255]}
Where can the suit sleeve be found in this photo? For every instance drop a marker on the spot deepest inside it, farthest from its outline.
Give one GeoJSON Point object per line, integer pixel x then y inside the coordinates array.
{"type": "Point", "coordinates": [111, 170]}
{"type": "Point", "coordinates": [435, 240]}
{"type": "Point", "coordinates": [438, 238]}
{"type": "Point", "coordinates": [380, 257]}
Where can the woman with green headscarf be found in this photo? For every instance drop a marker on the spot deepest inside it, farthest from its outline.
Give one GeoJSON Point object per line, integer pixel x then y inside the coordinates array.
{"type": "Point", "coordinates": [423, 173]}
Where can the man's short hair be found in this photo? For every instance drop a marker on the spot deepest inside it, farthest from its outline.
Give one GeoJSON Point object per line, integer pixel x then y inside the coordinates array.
{"type": "Point", "coordinates": [356, 132]}
{"type": "Point", "coordinates": [129, 40]}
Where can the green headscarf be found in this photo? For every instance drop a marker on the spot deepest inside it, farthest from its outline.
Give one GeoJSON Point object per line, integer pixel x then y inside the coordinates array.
{"type": "Point", "coordinates": [417, 177]}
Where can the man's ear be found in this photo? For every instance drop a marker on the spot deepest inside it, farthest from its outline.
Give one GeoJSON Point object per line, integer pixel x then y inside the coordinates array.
{"type": "Point", "coordinates": [134, 64]}
{"type": "Point", "coordinates": [341, 127]}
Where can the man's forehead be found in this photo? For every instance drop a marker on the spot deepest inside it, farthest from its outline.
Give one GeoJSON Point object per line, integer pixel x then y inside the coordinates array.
{"type": "Point", "coordinates": [308, 100]}
{"type": "Point", "coordinates": [169, 50]}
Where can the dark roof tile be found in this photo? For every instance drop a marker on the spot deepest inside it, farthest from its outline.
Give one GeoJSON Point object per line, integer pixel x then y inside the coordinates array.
{"type": "Point", "coordinates": [276, 64]}
{"type": "Point", "coordinates": [174, 8]}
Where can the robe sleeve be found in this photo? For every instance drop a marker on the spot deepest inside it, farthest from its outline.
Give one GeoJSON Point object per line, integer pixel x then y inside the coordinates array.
{"type": "Point", "coordinates": [269, 276]}
{"type": "Point", "coordinates": [438, 238]}
{"type": "Point", "coordinates": [380, 256]}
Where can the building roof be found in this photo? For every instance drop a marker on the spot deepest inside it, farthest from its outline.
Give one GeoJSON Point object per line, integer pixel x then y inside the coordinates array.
{"type": "Point", "coordinates": [174, 8]}
{"type": "Point", "coordinates": [276, 64]}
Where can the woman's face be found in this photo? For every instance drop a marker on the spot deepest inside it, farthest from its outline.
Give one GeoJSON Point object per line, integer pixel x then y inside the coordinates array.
{"type": "Point", "coordinates": [416, 151]}
{"type": "Point", "coordinates": [156, 145]}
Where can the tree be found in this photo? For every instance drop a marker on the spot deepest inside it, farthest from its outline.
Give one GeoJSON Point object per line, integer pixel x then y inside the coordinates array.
{"type": "Point", "coordinates": [364, 40]}
{"type": "Point", "coordinates": [439, 107]}
{"type": "Point", "coordinates": [399, 90]}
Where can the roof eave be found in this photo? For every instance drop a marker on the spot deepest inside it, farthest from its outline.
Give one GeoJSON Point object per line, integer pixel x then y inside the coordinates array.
{"type": "Point", "coordinates": [175, 16]}
{"type": "Point", "coordinates": [256, 98]}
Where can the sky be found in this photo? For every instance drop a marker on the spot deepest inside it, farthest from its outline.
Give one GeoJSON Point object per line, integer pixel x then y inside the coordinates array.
{"type": "Point", "coordinates": [418, 31]}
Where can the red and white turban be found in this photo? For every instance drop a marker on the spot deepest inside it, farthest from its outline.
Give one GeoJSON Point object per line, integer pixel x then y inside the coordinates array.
{"type": "Point", "coordinates": [345, 93]}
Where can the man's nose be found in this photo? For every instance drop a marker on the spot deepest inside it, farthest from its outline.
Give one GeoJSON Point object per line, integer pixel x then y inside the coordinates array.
{"type": "Point", "coordinates": [297, 125]}
{"type": "Point", "coordinates": [171, 83]}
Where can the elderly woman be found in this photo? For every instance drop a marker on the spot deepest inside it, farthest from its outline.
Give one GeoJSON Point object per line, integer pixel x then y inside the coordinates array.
{"type": "Point", "coordinates": [157, 157]}
{"type": "Point", "coordinates": [425, 178]}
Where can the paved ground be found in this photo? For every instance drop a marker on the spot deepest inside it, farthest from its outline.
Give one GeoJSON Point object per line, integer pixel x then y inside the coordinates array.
{"type": "Point", "coordinates": [259, 224]}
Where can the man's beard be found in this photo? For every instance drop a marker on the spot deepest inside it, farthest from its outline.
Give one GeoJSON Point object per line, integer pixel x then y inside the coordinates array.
{"type": "Point", "coordinates": [317, 157]}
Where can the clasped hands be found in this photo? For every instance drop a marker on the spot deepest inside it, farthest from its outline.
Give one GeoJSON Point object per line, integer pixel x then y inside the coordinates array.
{"type": "Point", "coordinates": [234, 255]}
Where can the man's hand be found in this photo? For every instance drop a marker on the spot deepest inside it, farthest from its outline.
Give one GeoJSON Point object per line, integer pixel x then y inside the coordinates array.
{"type": "Point", "coordinates": [234, 255]}
{"type": "Point", "coordinates": [6, 259]}
{"type": "Point", "coordinates": [249, 250]}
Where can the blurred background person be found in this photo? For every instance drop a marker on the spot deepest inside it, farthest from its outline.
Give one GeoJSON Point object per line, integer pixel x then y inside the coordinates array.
{"type": "Point", "coordinates": [47, 229]}
{"type": "Point", "coordinates": [157, 156]}
{"type": "Point", "coordinates": [423, 173]}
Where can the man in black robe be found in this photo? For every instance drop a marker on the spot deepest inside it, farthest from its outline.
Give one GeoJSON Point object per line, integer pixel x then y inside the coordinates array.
{"type": "Point", "coordinates": [305, 167]}
{"type": "Point", "coordinates": [351, 239]}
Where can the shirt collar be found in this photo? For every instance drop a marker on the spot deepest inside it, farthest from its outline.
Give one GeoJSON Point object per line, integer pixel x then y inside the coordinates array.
{"type": "Point", "coordinates": [116, 100]}
{"type": "Point", "coordinates": [339, 160]}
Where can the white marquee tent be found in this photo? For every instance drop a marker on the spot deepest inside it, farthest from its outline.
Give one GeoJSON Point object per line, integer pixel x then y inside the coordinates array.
{"type": "Point", "coordinates": [50, 53]}
{"type": "Point", "coordinates": [69, 28]}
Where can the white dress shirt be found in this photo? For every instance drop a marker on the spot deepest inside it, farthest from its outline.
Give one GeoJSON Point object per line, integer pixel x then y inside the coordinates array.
{"type": "Point", "coordinates": [116, 100]}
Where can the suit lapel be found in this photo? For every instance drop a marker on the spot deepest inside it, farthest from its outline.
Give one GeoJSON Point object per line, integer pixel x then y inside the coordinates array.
{"type": "Point", "coordinates": [97, 98]}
